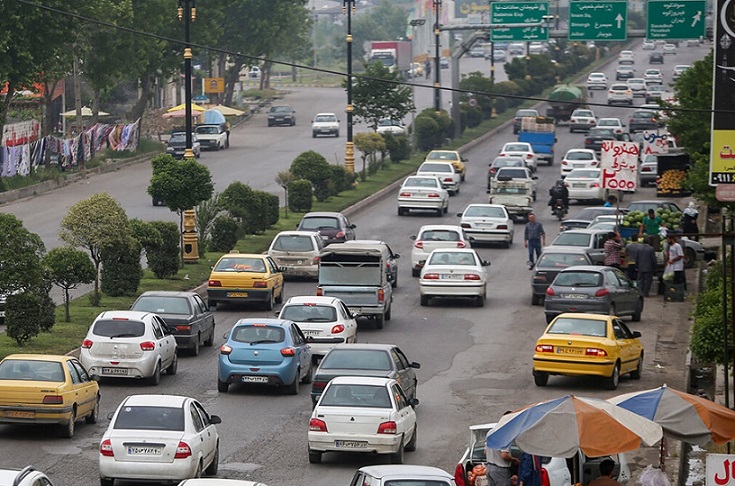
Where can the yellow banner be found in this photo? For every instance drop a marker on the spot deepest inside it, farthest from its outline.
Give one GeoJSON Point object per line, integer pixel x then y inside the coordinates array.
{"type": "Point", "coordinates": [214, 85]}
{"type": "Point", "coordinates": [722, 158]}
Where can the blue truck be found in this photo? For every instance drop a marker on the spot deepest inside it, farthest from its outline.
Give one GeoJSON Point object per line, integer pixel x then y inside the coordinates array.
{"type": "Point", "coordinates": [540, 132]}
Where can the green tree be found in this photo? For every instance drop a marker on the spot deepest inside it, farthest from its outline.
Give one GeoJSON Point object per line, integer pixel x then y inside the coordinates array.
{"type": "Point", "coordinates": [160, 240]}
{"type": "Point", "coordinates": [708, 333]}
{"type": "Point", "coordinates": [28, 313]}
{"type": "Point", "coordinates": [283, 179]}
{"type": "Point", "coordinates": [21, 253]}
{"type": "Point", "coordinates": [300, 196]}
{"type": "Point", "coordinates": [94, 224]}
{"type": "Point", "coordinates": [313, 167]}
{"type": "Point", "coordinates": [369, 143]}
{"type": "Point", "coordinates": [206, 212]}
{"type": "Point", "coordinates": [68, 267]}
{"type": "Point", "coordinates": [121, 268]}
{"type": "Point", "coordinates": [381, 96]}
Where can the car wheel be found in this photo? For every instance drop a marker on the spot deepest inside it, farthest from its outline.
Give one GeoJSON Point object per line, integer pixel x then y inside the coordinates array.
{"type": "Point", "coordinates": [293, 388]}
{"type": "Point", "coordinates": [612, 382]}
{"type": "Point", "coordinates": [535, 299]}
{"type": "Point", "coordinates": [540, 378]}
{"type": "Point", "coordinates": [424, 300]}
{"type": "Point", "coordinates": [194, 350]}
{"type": "Point", "coordinates": [401, 211]}
{"type": "Point", "coordinates": [269, 303]}
{"type": "Point", "coordinates": [480, 301]}
{"type": "Point", "coordinates": [95, 415]}
{"type": "Point", "coordinates": [174, 366]}
{"type": "Point", "coordinates": [394, 283]}
{"type": "Point", "coordinates": [612, 311]}
{"type": "Point", "coordinates": [307, 377]}
{"type": "Point", "coordinates": [398, 456]}
{"type": "Point", "coordinates": [446, 208]}
{"type": "Point", "coordinates": [456, 193]}
{"type": "Point", "coordinates": [313, 134]}
{"type": "Point", "coordinates": [315, 457]}
{"type": "Point", "coordinates": [440, 212]}
{"type": "Point", "coordinates": [337, 134]}
{"type": "Point", "coordinates": [415, 272]}
{"type": "Point", "coordinates": [411, 446]}
{"type": "Point", "coordinates": [210, 340]}
{"type": "Point", "coordinates": [222, 386]}
{"type": "Point", "coordinates": [107, 481]}
{"type": "Point", "coordinates": [67, 430]}
{"type": "Point", "coordinates": [380, 321]}
{"type": "Point", "coordinates": [156, 378]}
{"type": "Point", "coordinates": [690, 258]}
{"type": "Point", "coordinates": [279, 299]}
{"type": "Point", "coordinates": [388, 313]}
{"type": "Point", "coordinates": [638, 311]}
{"type": "Point", "coordinates": [214, 466]}
{"type": "Point", "coordinates": [534, 196]}
{"type": "Point", "coordinates": [198, 472]}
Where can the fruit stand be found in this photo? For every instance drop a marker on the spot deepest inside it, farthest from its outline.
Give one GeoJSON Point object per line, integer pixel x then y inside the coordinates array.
{"type": "Point", "coordinates": [672, 170]}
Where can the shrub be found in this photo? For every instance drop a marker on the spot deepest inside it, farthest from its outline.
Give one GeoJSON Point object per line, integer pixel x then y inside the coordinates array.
{"type": "Point", "coordinates": [340, 180]}
{"type": "Point", "coordinates": [426, 132]}
{"type": "Point", "coordinates": [121, 268]}
{"type": "Point", "coordinates": [272, 208]}
{"type": "Point", "coordinates": [397, 146]}
{"type": "Point", "coordinates": [246, 205]}
{"type": "Point", "coordinates": [163, 258]}
{"type": "Point", "coordinates": [225, 232]}
{"type": "Point", "coordinates": [313, 167]}
{"type": "Point", "coordinates": [300, 196]}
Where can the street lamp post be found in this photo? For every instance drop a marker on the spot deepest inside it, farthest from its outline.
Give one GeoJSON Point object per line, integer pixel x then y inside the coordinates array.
{"type": "Point", "coordinates": [348, 7]}
{"type": "Point", "coordinates": [414, 23]}
{"type": "Point", "coordinates": [437, 57]}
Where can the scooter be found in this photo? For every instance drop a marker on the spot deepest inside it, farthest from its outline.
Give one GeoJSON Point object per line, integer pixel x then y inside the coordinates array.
{"type": "Point", "coordinates": [559, 210]}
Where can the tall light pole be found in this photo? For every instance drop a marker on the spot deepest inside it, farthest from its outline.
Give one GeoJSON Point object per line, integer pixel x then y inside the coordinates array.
{"type": "Point", "coordinates": [414, 23]}
{"type": "Point", "coordinates": [437, 57]}
{"type": "Point", "coordinates": [187, 12]}
{"type": "Point", "coordinates": [348, 8]}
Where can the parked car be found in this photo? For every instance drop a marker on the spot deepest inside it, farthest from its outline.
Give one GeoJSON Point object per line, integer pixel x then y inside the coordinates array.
{"type": "Point", "coordinates": [325, 124]}
{"type": "Point", "coordinates": [585, 185]}
{"type": "Point", "coordinates": [591, 242]}
{"type": "Point", "coordinates": [382, 419]}
{"type": "Point", "coordinates": [333, 227]}
{"type": "Point", "coordinates": [185, 313]}
{"type": "Point", "coordinates": [389, 125]}
{"type": "Point", "coordinates": [297, 253]}
{"type": "Point", "coordinates": [619, 93]}
{"type": "Point", "coordinates": [449, 156]}
{"type": "Point", "coordinates": [270, 352]}
{"type": "Point", "coordinates": [395, 475]}
{"type": "Point", "coordinates": [588, 345]}
{"type": "Point", "coordinates": [452, 273]}
{"type": "Point", "coordinates": [433, 236]}
{"type": "Point", "coordinates": [245, 278]}
{"type": "Point", "coordinates": [593, 289]}
{"type": "Point", "coordinates": [44, 389]}
{"type": "Point", "coordinates": [582, 119]}
{"type": "Point", "coordinates": [445, 172]}
{"type": "Point", "coordinates": [212, 137]}
{"type": "Point", "coordinates": [28, 476]}
{"type": "Point", "coordinates": [518, 118]}
{"type": "Point", "coordinates": [160, 438]}
{"type": "Point", "coordinates": [129, 344]}
{"type": "Point", "coordinates": [361, 359]}
{"type": "Point", "coordinates": [578, 159]}
{"type": "Point", "coordinates": [176, 145]}
{"type": "Point", "coordinates": [585, 216]}
{"type": "Point", "coordinates": [325, 321]}
{"type": "Point", "coordinates": [422, 193]}
{"type": "Point", "coordinates": [487, 223]}
{"type": "Point", "coordinates": [281, 115]}
{"type": "Point", "coordinates": [549, 264]}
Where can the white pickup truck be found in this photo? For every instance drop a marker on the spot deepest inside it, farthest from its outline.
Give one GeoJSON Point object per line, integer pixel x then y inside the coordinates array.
{"type": "Point", "coordinates": [516, 195]}
{"type": "Point", "coordinates": [212, 137]}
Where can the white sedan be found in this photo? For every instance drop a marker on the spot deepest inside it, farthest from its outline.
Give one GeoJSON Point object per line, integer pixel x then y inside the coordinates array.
{"type": "Point", "coordinates": [585, 185]}
{"type": "Point", "coordinates": [653, 75]}
{"type": "Point", "coordinates": [445, 172]}
{"type": "Point", "coordinates": [597, 81]}
{"type": "Point", "coordinates": [578, 159]}
{"type": "Point", "coordinates": [423, 193]}
{"type": "Point", "coordinates": [454, 273]}
{"type": "Point", "coordinates": [325, 321]}
{"type": "Point", "coordinates": [159, 438]}
{"type": "Point", "coordinates": [523, 150]}
{"type": "Point", "coordinates": [432, 237]}
{"type": "Point", "coordinates": [489, 223]}
{"type": "Point", "coordinates": [613, 123]}
{"type": "Point", "coordinates": [388, 125]}
{"type": "Point", "coordinates": [363, 414]}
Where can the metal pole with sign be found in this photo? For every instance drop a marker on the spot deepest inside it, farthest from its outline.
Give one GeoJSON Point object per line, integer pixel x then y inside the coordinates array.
{"type": "Point", "coordinates": [722, 155]}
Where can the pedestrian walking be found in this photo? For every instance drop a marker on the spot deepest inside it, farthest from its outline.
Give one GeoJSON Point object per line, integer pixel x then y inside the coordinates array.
{"type": "Point", "coordinates": [607, 475]}
{"type": "Point", "coordinates": [689, 222]}
{"type": "Point", "coordinates": [534, 237]}
{"type": "Point", "coordinates": [645, 261]}
{"type": "Point", "coordinates": [651, 226]}
{"type": "Point", "coordinates": [631, 253]}
{"type": "Point", "coordinates": [427, 67]}
{"type": "Point", "coordinates": [529, 470]}
{"type": "Point", "coordinates": [613, 248]}
{"type": "Point", "coordinates": [675, 260]}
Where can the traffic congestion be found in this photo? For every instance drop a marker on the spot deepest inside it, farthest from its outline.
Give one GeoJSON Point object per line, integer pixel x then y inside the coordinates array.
{"type": "Point", "coordinates": [417, 317]}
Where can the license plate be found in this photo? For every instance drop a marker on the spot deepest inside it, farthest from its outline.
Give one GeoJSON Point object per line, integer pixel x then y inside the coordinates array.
{"type": "Point", "coordinates": [579, 186]}
{"type": "Point", "coordinates": [575, 296]}
{"type": "Point", "coordinates": [485, 225]}
{"type": "Point", "coordinates": [20, 414]}
{"type": "Point", "coordinates": [237, 294]}
{"type": "Point", "coordinates": [568, 351]}
{"type": "Point", "coordinates": [311, 333]}
{"type": "Point", "coordinates": [451, 277]}
{"type": "Point", "coordinates": [325, 237]}
{"type": "Point", "coordinates": [300, 262]}
{"type": "Point", "coordinates": [350, 444]}
{"type": "Point", "coordinates": [144, 451]}
{"type": "Point", "coordinates": [2, 313]}
{"type": "Point", "coordinates": [114, 371]}
{"type": "Point", "coordinates": [354, 311]}
{"type": "Point", "coordinates": [255, 379]}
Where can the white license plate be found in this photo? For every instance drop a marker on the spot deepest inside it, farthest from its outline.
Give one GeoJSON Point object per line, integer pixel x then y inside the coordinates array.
{"type": "Point", "coordinates": [325, 237]}
{"type": "Point", "coordinates": [575, 296]}
{"type": "Point", "coordinates": [350, 444]}
{"type": "Point", "coordinates": [579, 186]}
{"type": "Point", "coordinates": [255, 379]}
{"type": "Point", "coordinates": [144, 451]}
{"type": "Point", "coordinates": [452, 277]}
{"type": "Point", "coordinates": [485, 225]}
{"type": "Point", "coordinates": [114, 371]}
{"type": "Point", "coordinates": [311, 333]}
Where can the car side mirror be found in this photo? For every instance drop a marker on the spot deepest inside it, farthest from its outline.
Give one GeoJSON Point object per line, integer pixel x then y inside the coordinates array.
{"type": "Point", "coordinates": [534, 177]}
{"type": "Point", "coordinates": [486, 263]}
{"type": "Point", "coordinates": [215, 419]}
{"type": "Point", "coordinates": [636, 334]}
{"type": "Point", "coordinates": [353, 226]}
{"type": "Point", "coordinates": [463, 159]}
{"type": "Point", "coordinates": [459, 215]}
{"type": "Point", "coordinates": [396, 256]}
{"type": "Point", "coordinates": [413, 401]}
{"type": "Point", "coordinates": [110, 415]}
{"type": "Point", "coordinates": [276, 313]}
{"type": "Point", "coordinates": [226, 335]}
{"type": "Point", "coordinates": [412, 237]}
{"type": "Point", "coordinates": [415, 365]}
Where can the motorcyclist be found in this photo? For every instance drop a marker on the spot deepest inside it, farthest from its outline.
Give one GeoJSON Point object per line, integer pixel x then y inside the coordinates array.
{"type": "Point", "coordinates": [559, 191]}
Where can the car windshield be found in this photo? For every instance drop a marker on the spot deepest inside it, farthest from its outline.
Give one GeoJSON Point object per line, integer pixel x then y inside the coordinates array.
{"type": "Point", "coordinates": [439, 235]}
{"type": "Point", "coordinates": [513, 173]}
{"type": "Point", "coordinates": [602, 132]}
{"type": "Point", "coordinates": [578, 279]}
{"type": "Point", "coordinates": [325, 118]}
{"type": "Point", "coordinates": [427, 167]}
{"type": "Point", "coordinates": [163, 305]}
{"type": "Point", "coordinates": [452, 258]}
{"type": "Point", "coordinates": [208, 130]}
{"type": "Point", "coordinates": [293, 243]}
{"type": "Point", "coordinates": [516, 147]}
{"type": "Point", "coordinates": [387, 122]}
{"type": "Point", "coordinates": [240, 264]}
{"type": "Point", "coordinates": [561, 260]}
{"type": "Point", "coordinates": [522, 113]}
{"type": "Point", "coordinates": [177, 138]}
{"type": "Point", "coordinates": [437, 155]}
{"type": "Point", "coordinates": [319, 222]}
{"type": "Point", "coordinates": [257, 334]}
{"type": "Point", "coordinates": [118, 328]}
{"type": "Point", "coordinates": [580, 156]}
{"type": "Point", "coordinates": [584, 174]}
{"type": "Point", "coordinates": [31, 370]}
{"type": "Point", "coordinates": [484, 212]}
{"type": "Point", "coordinates": [356, 359]}
{"type": "Point", "coordinates": [577, 326]}
{"type": "Point", "coordinates": [309, 313]}
{"type": "Point", "coordinates": [283, 109]}
{"type": "Point", "coordinates": [572, 239]}
{"type": "Point", "coordinates": [150, 418]}
{"type": "Point", "coordinates": [360, 396]}
{"type": "Point", "coordinates": [421, 182]}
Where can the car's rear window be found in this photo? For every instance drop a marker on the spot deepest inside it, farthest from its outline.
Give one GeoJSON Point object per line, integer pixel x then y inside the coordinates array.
{"type": "Point", "coordinates": [325, 118]}
{"type": "Point", "coordinates": [578, 279]}
{"type": "Point", "coordinates": [163, 305]}
{"type": "Point", "coordinates": [515, 147]}
{"type": "Point", "coordinates": [309, 313]}
{"type": "Point", "coordinates": [31, 370]}
{"type": "Point", "coordinates": [579, 156]}
{"type": "Point", "coordinates": [150, 418]}
{"type": "Point", "coordinates": [485, 212]}
{"type": "Point", "coordinates": [583, 327]}
{"type": "Point", "coordinates": [118, 328]}
{"type": "Point", "coordinates": [240, 264]}
{"type": "Point", "coordinates": [572, 239]}
{"type": "Point", "coordinates": [428, 167]}
{"type": "Point", "coordinates": [319, 222]}
{"type": "Point", "coordinates": [362, 396]}
{"type": "Point", "coordinates": [584, 174]}
{"type": "Point", "coordinates": [293, 243]}
{"type": "Point", "coordinates": [434, 155]}
{"type": "Point", "coordinates": [451, 258]}
{"type": "Point", "coordinates": [561, 260]}
{"type": "Point", "coordinates": [512, 173]}
{"type": "Point", "coordinates": [253, 334]}
{"type": "Point", "coordinates": [421, 182]}
{"type": "Point", "coordinates": [365, 359]}
{"type": "Point", "coordinates": [439, 235]}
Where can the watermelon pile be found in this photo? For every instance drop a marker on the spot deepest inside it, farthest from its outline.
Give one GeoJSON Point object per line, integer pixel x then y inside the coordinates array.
{"type": "Point", "coordinates": [671, 219]}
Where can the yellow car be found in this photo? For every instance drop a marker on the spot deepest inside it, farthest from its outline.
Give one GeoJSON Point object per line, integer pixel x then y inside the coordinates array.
{"type": "Point", "coordinates": [588, 345]}
{"type": "Point", "coordinates": [45, 389]}
{"type": "Point", "coordinates": [241, 277]}
{"type": "Point", "coordinates": [449, 156]}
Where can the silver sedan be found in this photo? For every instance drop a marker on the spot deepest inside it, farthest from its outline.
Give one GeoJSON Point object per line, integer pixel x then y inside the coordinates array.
{"type": "Point", "coordinates": [423, 193]}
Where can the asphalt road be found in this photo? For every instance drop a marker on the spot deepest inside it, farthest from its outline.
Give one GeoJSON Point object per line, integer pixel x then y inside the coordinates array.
{"type": "Point", "coordinates": [475, 361]}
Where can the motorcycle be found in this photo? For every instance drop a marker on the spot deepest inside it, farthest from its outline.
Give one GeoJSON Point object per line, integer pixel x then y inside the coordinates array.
{"type": "Point", "coordinates": [559, 210]}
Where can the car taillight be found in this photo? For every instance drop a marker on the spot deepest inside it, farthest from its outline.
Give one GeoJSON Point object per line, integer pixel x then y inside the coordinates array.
{"type": "Point", "coordinates": [465, 225]}
{"type": "Point", "coordinates": [549, 291]}
{"type": "Point", "coordinates": [225, 349]}
{"type": "Point", "coordinates": [529, 156]}
{"type": "Point", "coordinates": [587, 140]}
{"type": "Point", "coordinates": [182, 450]}
{"type": "Point", "coordinates": [147, 345]}
{"type": "Point", "coordinates": [381, 295]}
{"type": "Point", "coordinates": [260, 285]}
{"type": "Point", "coordinates": [214, 283]}
{"type": "Point", "coordinates": [106, 448]}
{"type": "Point", "coordinates": [53, 399]}
{"type": "Point", "coordinates": [340, 234]}
{"type": "Point", "coordinates": [471, 276]}
{"type": "Point", "coordinates": [87, 343]}
{"type": "Point", "coordinates": [387, 428]}
{"type": "Point", "coordinates": [318, 385]}
{"type": "Point", "coordinates": [447, 179]}
{"type": "Point", "coordinates": [183, 328]}
{"type": "Point", "coordinates": [338, 328]}
{"type": "Point", "coordinates": [602, 293]}
{"type": "Point", "coordinates": [544, 348]}
{"type": "Point", "coordinates": [564, 162]}
{"type": "Point", "coordinates": [431, 276]}
{"type": "Point", "coordinates": [502, 154]}
{"type": "Point", "coordinates": [405, 194]}
{"type": "Point", "coordinates": [316, 425]}
{"type": "Point", "coordinates": [418, 244]}
{"type": "Point", "coordinates": [595, 184]}
{"type": "Point", "coordinates": [492, 170]}
{"type": "Point", "coordinates": [315, 260]}
{"type": "Point", "coordinates": [593, 163]}
{"type": "Point", "coordinates": [600, 353]}
{"type": "Point", "coordinates": [288, 352]}
{"type": "Point", "coordinates": [319, 291]}
{"type": "Point", "coordinates": [502, 226]}
{"type": "Point", "coordinates": [461, 244]}
{"type": "Point", "coordinates": [433, 194]}
{"type": "Point", "coordinates": [611, 92]}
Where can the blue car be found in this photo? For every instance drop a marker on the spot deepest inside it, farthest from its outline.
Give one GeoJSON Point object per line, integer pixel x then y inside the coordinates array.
{"type": "Point", "coordinates": [267, 352]}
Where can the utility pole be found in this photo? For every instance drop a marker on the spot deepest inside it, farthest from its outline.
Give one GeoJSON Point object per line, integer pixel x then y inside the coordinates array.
{"type": "Point", "coordinates": [437, 56]}
{"type": "Point", "coordinates": [348, 8]}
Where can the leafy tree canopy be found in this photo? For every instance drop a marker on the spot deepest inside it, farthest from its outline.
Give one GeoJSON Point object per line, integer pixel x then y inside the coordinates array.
{"type": "Point", "coordinates": [20, 256]}
{"type": "Point", "coordinates": [181, 184]}
{"type": "Point", "coordinates": [381, 97]}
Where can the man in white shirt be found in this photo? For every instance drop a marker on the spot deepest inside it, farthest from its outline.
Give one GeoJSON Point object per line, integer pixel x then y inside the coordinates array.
{"type": "Point", "coordinates": [499, 464]}
{"type": "Point", "coordinates": [675, 259]}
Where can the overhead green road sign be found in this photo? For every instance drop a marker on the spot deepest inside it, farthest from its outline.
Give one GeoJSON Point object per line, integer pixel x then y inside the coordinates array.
{"type": "Point", "coordinates": [678, 19]}
{"type": "Point", "coordinates": [519, 13]}
{"type": "Point", "coordinates": [598, 20]}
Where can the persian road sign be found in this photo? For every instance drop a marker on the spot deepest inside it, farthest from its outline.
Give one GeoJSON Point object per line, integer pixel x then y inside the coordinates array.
{"type": "Point", "coordinates": [519, 13]}
{"type": "Point", "coordinates": [676, 19]}
{"type": "Point", "coordinates": [598, 21]}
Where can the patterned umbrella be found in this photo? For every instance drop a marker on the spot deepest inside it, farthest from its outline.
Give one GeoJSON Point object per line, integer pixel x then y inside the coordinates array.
{"type": "Point", "coordinates": [561, 427]}
{"type": "Point", "coordinates": [682, 416]}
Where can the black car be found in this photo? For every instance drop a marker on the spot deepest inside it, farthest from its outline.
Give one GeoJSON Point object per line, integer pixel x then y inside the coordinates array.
{"type": "Point", "coordinates": [333, 227]}
{"type": "Point", "coordinates": [549, 264]}
{"type": "Point", "coordinates": [176, 145]}
{"type": "Point", "coordinates": [281, 115]}
{"type": "Point", "coordinates": [656, 57]}
{"type": "Point", "coordinates": [186, 315]}
{"type": "Point", "coordinates": [641, 120]}
{"type": "Point", "coordinates": [596, 136]}
{"type": "Point", "coordinates": [356, 359]}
